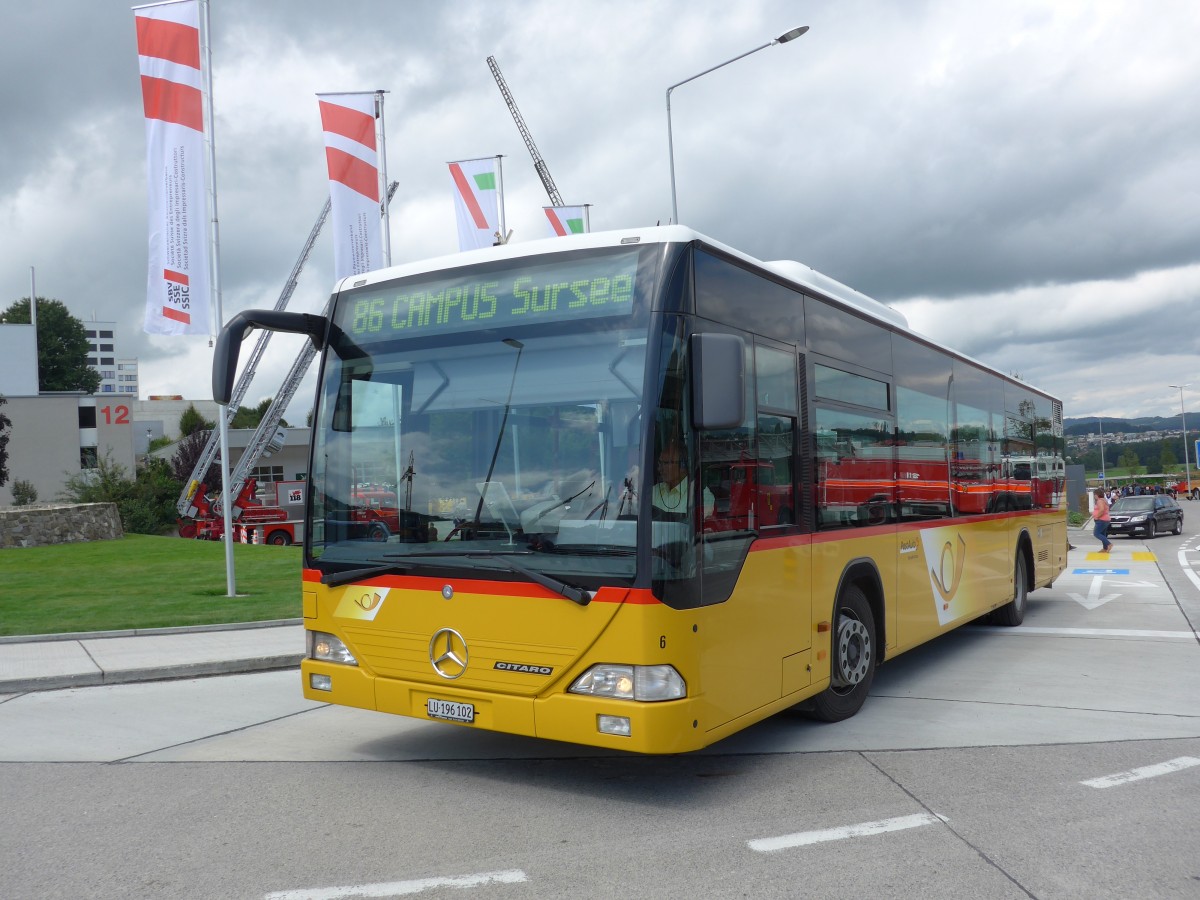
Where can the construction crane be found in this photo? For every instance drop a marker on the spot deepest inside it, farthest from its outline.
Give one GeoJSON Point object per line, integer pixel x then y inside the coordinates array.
{"type": "Point", "coordinates": [185, 506]}
{"type": "Point", "coordinates": [268, 437]}
{"type": "Point", "coordinates": [539, 164]}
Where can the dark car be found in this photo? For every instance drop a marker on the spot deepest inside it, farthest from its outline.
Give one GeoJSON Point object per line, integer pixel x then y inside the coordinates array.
{"type": "Point", "coordinates": [1146, 515]}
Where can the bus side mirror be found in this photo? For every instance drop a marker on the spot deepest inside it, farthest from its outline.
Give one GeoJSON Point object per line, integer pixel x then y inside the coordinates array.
{"type": "Point", "coordinates": [718, 381]}
{"type": "Point", "coordinates": [229, 341]}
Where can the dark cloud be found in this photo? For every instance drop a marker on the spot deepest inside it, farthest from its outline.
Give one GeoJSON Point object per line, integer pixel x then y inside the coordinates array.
{"type": "Point", "coordinates": [933, 155]}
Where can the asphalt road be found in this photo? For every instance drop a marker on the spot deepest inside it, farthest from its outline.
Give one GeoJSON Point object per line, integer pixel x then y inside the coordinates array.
{"type": "Point", "coordinates": [1057, 760]}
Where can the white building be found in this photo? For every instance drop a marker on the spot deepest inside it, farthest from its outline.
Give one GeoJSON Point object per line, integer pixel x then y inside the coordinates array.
{"type": "Point", "coordinates": [118, 375]}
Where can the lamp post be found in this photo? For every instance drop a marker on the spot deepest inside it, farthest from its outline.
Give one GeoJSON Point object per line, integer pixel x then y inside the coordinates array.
{"type": "Point", "coordinates": [1183, 422]}
{"type": "Point", "coordinates": [782, 39]}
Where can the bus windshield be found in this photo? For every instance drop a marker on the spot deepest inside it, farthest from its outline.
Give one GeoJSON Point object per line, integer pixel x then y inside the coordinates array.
{"type": "Point", "coordinates": [515, 441]}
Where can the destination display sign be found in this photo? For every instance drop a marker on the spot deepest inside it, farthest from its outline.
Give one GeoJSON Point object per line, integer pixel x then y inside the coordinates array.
{"type": "Point", "coordinates": [557, 291]}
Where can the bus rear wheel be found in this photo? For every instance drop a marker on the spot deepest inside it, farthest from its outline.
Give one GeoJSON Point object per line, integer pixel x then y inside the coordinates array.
{"type": "Point", "coordinates": [854, 658]}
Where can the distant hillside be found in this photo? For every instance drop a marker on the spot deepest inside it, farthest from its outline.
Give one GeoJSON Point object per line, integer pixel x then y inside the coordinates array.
{"type": "Point", "coordinates": [1146, 423]}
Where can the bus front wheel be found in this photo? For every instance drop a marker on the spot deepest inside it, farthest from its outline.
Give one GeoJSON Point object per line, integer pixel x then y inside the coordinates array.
{"type": "Point", "coordinates": [854, 657]}
{"type": "Point", "coordinates": [1012, 613]}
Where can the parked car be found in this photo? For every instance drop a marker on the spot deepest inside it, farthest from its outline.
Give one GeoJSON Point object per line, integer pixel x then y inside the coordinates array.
{"type": "Point", "coordinates": [1147, 515]}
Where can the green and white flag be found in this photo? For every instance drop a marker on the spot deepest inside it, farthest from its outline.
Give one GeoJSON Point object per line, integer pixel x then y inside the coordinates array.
{"type": "Point", "coordinates": [478, 202]}
{"type": "Point", "coordinates": [567, 220]}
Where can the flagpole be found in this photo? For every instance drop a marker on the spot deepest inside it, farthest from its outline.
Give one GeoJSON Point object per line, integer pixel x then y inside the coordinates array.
{"type": "Point", "coordinates": [214, 267]}
{"type": "Point", "coordinates": [587, 218]}
{"type": "Point", "coordinates": [381, 132]}
{"type": "Point", "coordinates": [37, 375]}
{"type": "Point", "coordinates": [503, 235]}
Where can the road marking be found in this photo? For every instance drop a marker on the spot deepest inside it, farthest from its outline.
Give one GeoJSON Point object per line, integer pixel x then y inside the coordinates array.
{"type": "Point", "coordinates": [1087, 632]}
{"type": "Point", "coordinates": [1187, 570]}
{"type": "Point", "coordinates": [1172, 765]}
{"type": "Point", "coordinates": [863, 829]}
{"type": "Point", "coordinates": [396, 888]}
{"type": "Point", "coordinates": [1093, 598]}
{"type": "Point", "coordinates": [1144, 556]}
{"type": "Point", "coordinates": [1099, 571]}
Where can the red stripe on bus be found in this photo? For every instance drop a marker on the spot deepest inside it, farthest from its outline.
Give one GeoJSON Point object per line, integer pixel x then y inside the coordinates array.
{"type": "Point", "coordinates": [171, 102]}
{"type": "Point", "coordinates": [460, 181]}
{"type": "Point", "coordinates": [555, 223]}
{"type": "Point", "coordinates": [169, 313]}
{"type": "Point", "coordinates": [349, 123]}
{"type": "Point", "coordinates": [359, 176]}
{"type": "Point", "coordinates": [613, 594]}
{"type": "Point", "coordinates": [177, 277]}
{"type": "Point", "coordinates": [171, 41]}
{"type": "Point", "coordinates": [847, 534]}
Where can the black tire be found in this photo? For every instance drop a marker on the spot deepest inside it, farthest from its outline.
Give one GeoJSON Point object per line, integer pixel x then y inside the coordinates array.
{"type": "Point", "coordinates": [854, 657]}
{"type": "Point", "coordinates": [378, 533]}
{"type": "Point", "coordinates": [1013, 612]}
{"type": "Point", "coordinates": [279, 538]}
{"type": "Point", "coordinates": [1151, 530]}
{"type": "Point", "coordinates": [1178, 529]}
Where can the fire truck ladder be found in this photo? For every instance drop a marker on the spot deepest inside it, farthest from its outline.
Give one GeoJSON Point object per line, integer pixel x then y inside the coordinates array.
{"type": "Point", "coordinates": [539, 164]}
{"type": "Point", "coordinates": [268, 438]}
{"type": "Point", "coordinates": [213, 447]}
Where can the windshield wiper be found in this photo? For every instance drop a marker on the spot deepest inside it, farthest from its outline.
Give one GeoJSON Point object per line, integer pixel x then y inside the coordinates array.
{"type": "Point", "coordinates": [337, 579]}
{"type": "Point", "coordinates": [570, 591]}
{"type": "Point", "coordinates": [560, 587]}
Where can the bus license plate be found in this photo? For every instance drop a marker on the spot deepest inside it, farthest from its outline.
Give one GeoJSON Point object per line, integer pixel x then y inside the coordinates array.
{"type": "Point", "coordinates": [446, 709]}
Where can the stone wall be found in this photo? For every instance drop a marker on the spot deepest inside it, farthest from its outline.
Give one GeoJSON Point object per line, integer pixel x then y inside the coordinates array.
{"type": "Point", "coordinates": [33, 526]}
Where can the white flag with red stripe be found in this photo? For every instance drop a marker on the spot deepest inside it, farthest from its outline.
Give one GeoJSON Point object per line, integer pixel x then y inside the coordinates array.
{"type": "Point", "coordinates": [477, 202]}
{"type": "Point", "coordinates": [566, 220]}
{"type": "Point", "coordinates": [177, 286]}
{"type": "Point", "coordinates": [352, 157]}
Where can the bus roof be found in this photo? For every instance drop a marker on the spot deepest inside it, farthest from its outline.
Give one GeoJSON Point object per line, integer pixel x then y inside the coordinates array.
{"type": "Point", "coordinates": [794, 272]}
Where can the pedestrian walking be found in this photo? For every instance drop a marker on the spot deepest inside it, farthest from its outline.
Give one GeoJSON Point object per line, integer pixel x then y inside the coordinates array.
{"type": "Point", "coordinates": [1101, 516]}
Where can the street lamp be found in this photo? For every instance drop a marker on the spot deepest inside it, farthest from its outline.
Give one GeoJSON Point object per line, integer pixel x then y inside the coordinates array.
{"type": "Point", "coordinates": [1183, 421]}
{"type": "Point", "coordinates": [782, 39]}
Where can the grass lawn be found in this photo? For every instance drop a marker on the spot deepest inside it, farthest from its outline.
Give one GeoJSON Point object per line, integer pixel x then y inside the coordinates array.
{"type": "Point", "coordinates": [143, 582]}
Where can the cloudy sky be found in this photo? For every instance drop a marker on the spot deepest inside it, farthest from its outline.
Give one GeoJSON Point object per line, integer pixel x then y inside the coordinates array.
{"type": "Point", "coordinates": [1020, 178]}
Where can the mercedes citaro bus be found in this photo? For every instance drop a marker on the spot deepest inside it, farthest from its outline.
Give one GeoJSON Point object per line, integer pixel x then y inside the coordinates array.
{"type": "Point", "coordinates": [648, 490]}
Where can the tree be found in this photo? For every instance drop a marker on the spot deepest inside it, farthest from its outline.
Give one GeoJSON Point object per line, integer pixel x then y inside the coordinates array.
{"type": "Point", "coordinates": [62, 346]}
{"type": "Point", "coordinates": [1168, 460]}
{"type": "Point", "coordinates": [250, 417]}
{"type": "Point", "coordinates": [1129, 460]}
{"type": "Point", "coordinates": [190, 421]}
{"type": "Point", "coordinates": [187, 454]}
{"type": "Point", "coordinates": [5, 425]}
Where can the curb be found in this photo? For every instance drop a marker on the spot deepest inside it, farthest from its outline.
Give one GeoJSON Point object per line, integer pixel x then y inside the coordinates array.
{"type": "Point", "coordinates": [152, 673]}
{"type": "Point", "coordinates": [142, 632]}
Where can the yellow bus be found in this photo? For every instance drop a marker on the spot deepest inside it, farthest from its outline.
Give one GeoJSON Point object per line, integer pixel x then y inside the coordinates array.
{"type": "Point", "coordinates": [648, 490]}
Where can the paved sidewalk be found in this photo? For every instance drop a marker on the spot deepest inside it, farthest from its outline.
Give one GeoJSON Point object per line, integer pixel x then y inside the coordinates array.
{"type": "Point", "coordinates": [51, 662]}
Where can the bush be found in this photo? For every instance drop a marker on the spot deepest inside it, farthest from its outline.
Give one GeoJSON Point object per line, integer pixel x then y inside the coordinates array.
{"type": "Point", "coordinates": [24, 493]}
{"type": "Point", "coordinates": [146, 504]}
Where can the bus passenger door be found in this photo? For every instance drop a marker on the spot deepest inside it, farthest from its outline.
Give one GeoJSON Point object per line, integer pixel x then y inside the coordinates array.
{"type": "Point", "coordinates": [755, 633]}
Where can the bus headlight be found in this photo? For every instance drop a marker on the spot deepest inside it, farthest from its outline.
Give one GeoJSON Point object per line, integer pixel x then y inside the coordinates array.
{"type": "Point", "coordinates": [328, 648]}
{"type": "Point", "coordinates": [643, 683]}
